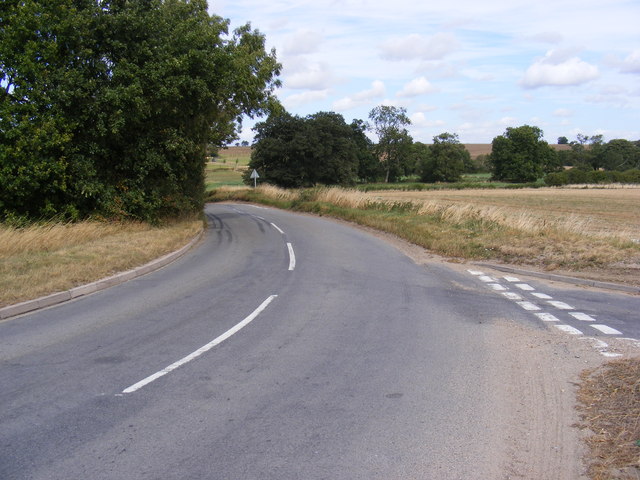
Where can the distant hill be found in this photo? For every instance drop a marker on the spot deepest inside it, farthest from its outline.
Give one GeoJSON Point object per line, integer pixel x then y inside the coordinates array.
{"type": "Point", "coordinates": [475, 149]}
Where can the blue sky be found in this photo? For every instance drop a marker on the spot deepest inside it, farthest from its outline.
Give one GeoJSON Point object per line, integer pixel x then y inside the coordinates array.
{"type": "Point", "coordinates": [459, 66]}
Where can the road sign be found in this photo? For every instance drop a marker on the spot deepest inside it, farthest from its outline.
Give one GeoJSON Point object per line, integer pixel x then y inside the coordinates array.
{"type": "Point", "coordinates": [255, 177]}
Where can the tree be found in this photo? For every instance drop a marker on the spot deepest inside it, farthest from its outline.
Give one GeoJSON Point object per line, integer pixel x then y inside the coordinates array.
{"type": "Point", "coordinates": [394, 141]}
{"type": "Point", "coordinates": [446, 159]}
{"type": "Point", "coordinates": [619, 155]}
{"type": "Point", "coordinates": [563, 141]}
{"type": "Point", "coordinates": [290, 151]}
{"type": "Point", "coordinates": [108, 106]}
{"type": "Point", "coordinates": [520, 155]}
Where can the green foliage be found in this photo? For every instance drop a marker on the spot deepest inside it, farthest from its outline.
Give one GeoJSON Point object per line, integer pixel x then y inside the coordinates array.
{"type": "Point", "coordinates": [580, 176]}
{"type": "Point", "coordinates": [109, 106]}
{"type": "Point", "coordinates": [291, 151]}
{"type": "Point", "coordinates": [394, 142]}
{"type": "Point", "coordinates": [520, 155]}
{"type": "Point", "coordinates": [446, 159]}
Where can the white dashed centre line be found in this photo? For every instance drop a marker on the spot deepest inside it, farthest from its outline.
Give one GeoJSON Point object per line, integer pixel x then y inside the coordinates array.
{"type": "Point", "coordinates": [201, 350]}
{"type": "Point", "coordinates": [277, 228]}
{"type": "Point", "coordinates": [292, 257]}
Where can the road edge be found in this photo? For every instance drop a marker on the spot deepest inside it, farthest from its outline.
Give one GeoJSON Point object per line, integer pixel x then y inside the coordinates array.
{"type": "Point", "coordinates": [82, 290]}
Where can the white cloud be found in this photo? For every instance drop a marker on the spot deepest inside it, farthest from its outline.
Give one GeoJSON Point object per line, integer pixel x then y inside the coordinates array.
{"type": "Point", "coordinates": [302, 42]}
{"type": "Point", "coordinates": [631, 64]}
{"type": "Point", "coordinates": [298, 99]}
{"type": "Point", "coordinates": [417, 86]}
{"type": "Point", "coordinates": [419, 47]}
{"type": "Point", "coordinates": [419, 120]}
{"type": "Point", "coordinates": [363, 97]}
{"type": "Point", "coordinates": [555, 69]}
{"type": "Point", "coordinates": [316, 76]}
{"type": "Point", "coordinates": [562, 112]}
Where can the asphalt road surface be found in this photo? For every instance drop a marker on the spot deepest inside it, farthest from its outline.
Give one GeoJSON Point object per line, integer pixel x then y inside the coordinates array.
{"type": "Point", "coordinates": [282, 347]}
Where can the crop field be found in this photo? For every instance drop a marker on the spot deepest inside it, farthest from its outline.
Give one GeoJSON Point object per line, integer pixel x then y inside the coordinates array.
{"type": "Point", "coordinates": [600, 211]}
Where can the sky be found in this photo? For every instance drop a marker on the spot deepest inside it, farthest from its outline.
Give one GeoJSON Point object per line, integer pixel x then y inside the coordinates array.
{"type": "Point", "coordinates": [467, 67]}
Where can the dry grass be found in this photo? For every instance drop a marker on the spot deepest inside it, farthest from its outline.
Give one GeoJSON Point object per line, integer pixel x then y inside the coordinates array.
{"type": "Point", "coordinates": [610, 408]}
{"type": "Point", "coordinates": [43, 259]}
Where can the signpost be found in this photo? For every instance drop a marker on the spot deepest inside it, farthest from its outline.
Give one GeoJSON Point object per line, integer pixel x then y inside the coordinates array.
{"type": "Point", "coordinates": [255, 177]}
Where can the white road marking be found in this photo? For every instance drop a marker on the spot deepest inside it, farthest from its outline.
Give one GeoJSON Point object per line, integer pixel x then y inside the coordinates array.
{"type": "Point", "coordinates": [475, 272]}
{"type": "Point", "coordinates": [512, 296]}
{"type": "Point", "coordinates": [544, 296]}
{"type": "Point", "coordinates": [487, 278]}
{"type": "Point", "coordinates": [547, 317]}
{"type": "Point", "coordinates": [525, 286]}
{"type": "Point", "coordinates": [277, 228]}
{"type": "Point", "coordinates": [497, 287]}
{"type": "Point", "coordinates": [601, 347]}
{"type": "Point", "coordinates": [560, 305]}
{"type": "Point", "coordinates": [568, 329]}
{"type": "Point", "coordinates": [528, 306]}
{"type": "Point", "coordinates": [582, 316]}
{"type": "Point", "coordinates": [512, 279]}
{"type": "Point", "coordinates": [292, 257]}
{"type": "Point", "coordinates": [201, 350]}
{"type": "Point", "coordinates": [607, 330]}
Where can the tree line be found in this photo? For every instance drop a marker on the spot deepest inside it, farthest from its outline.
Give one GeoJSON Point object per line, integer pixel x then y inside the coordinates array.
{"type": "Point", "coordinates": [293, 151]}
{"type": "Point", "coordinates": [107, 106]}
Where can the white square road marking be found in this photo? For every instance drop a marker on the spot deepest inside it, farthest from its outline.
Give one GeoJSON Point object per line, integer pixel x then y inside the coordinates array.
{"type": "Point", "coordinates": [543, 296]}
{"type": "Point", "coordinates": [487, 278]}
{"type": "Point", "coordinates": [512, 296]}
{"type": "Point", "coordinates": [560, 305]}
{"type": "Point", "coordinates": [497, 287]}
{"type": "Point", "coordinates": [525, 286]}
{"type": "Point", "coordinates": [607, 330]}
{"type": "Point", "coordinates": [528, 306]}
{"type": "Point", "coordinates": [582, 316]}
{"type": "Point", "coordinates": [512, 279]}
{"type": "Point", "coordinates": [568, 329]}
{"type": "Point", "coordinates": [475, 272]}
{"type": "Point", "coordinates": [547, 317]}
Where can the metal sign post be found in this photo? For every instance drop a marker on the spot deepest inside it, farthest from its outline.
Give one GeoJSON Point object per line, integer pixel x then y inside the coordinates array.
{"type": "Point", "coordinates": [255, 177]}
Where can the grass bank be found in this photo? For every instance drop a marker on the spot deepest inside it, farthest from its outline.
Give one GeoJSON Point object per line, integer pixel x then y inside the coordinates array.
{"type": "Point", "coordinates": [41, 259]}
{"type": "Point", "coordinates": [469, 229]}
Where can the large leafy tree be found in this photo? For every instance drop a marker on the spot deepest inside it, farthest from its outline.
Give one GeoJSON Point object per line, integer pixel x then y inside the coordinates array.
{"type": "Point", "coordinates": [446, 159]}
{"type": "Point", "coordinates": [291, 151]}
{"type": "Point", "coordinates": [521, 155]}
{"type": "Point", "coordinates": [107, 105]}
{"type": "Point", "coordinates": [394, 142]}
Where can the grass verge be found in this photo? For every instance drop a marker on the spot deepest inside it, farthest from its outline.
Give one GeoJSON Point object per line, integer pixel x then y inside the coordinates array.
{"type": "Point", "coordinates": [469, 231]}
{"type": "Point", "coordinates": [41, 259]}
{"type": "Point", "coordinates": [609, 404]}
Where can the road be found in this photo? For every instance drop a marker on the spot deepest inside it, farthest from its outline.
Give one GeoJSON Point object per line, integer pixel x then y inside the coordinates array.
{"type": "Point", "coordinates": [282, 347]}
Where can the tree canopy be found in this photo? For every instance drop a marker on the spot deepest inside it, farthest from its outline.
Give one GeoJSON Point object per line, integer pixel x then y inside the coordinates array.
{"type": "Point", "coordinates": [291, 151]}
{"type": "Point", "coordinates": [107, 105]}
{"type": "Point", "coordinates": [394, 142]}
{"type": "Point", "coordinates": [445, 160]}
{"type": "Point", "coordinates": [520, 155]}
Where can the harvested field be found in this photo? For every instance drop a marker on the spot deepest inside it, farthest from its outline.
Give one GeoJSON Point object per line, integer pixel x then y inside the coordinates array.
{"type": "Point", "coordinates": [598, 211]}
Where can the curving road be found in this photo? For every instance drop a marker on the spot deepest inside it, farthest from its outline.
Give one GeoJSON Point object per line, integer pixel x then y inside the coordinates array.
{"type": "Point", "coordinates": [282, 347]}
